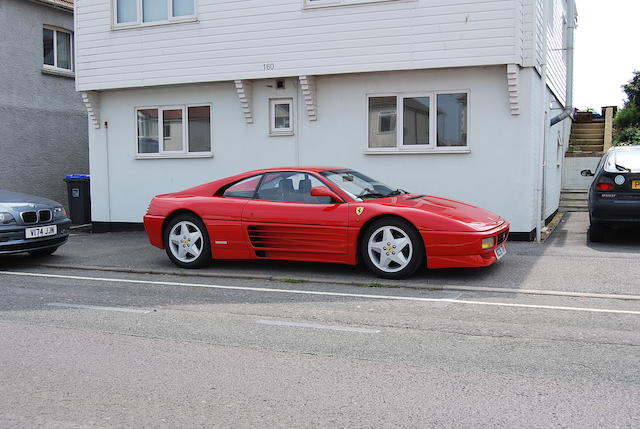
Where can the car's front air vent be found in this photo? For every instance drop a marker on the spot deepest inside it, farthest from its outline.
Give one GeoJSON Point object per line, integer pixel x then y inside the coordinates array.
{"type": "Point", "coordinates": [501, 237]}
{"type": "Point", "coordinates": [29, 217]}
{"type": "Point", "coordinates": [44, 215]}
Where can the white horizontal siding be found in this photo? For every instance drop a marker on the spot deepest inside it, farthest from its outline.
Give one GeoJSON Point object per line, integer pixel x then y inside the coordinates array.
{"type": "Point", "coordinates": [556, 61]}
{"type": "Point", "coordinates": [533, 52]}
{"type": "Point", "coordinates": [233, 39]}
{"type": "Point", "coordinates": [529, 33]}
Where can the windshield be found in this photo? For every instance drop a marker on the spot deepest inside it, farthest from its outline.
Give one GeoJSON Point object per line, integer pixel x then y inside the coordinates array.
{"type": "Point", "coordinates": [358, 186]}
{"type": "Point", "coordinates": [623, 161]}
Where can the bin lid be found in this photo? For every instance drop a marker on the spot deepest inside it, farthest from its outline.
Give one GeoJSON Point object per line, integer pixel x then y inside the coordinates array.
{"type": "Point", "coordinates": [77, 176]}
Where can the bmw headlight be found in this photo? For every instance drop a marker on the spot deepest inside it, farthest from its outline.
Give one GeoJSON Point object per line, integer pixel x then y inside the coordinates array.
{"type": "Point", "coordinates": [6, 218]}
{"type": "Point", "coordinates": [59, 212]}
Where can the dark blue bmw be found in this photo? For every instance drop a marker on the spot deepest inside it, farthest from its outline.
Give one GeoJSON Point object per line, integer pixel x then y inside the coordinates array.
{"type": "Point", "coordinates": [31, 224]}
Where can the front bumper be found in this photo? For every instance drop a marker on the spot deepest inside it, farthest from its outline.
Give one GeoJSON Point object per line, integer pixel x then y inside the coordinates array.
{"type": "Point", "coordinates": [12, 238]}
{"type": "Point", "coordinates": [446, 249]}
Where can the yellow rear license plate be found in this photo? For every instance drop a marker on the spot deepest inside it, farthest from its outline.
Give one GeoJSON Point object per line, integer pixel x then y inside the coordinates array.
{"type": "Point", "coordinates": [635, 184]}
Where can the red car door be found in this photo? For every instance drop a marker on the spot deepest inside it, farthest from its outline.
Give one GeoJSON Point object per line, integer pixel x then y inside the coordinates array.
{"type": "Point", "coordinates": [286, 221]}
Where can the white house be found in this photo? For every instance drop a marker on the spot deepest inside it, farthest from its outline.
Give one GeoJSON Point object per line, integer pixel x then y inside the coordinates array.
{"type": "Point", "coordinates": [448, 97]}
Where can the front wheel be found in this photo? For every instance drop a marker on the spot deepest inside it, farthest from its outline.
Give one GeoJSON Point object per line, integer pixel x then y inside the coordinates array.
{"type": "Point", "coordinates": [392, 248]}
{"type": "Point", "coordinates": [186, 242]}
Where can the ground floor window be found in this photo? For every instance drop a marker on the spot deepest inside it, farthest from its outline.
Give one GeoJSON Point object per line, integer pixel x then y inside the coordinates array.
{"type": "Point", "coordinates": [420, 128]}
{"type": "Point", "coordinates": [173, 130]}
{"type": "Point", "coordinates": [281, 117]}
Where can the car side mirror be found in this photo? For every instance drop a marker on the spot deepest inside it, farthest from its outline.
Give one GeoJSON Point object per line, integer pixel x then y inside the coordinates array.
{"type": "Point", "coordinates": [586, 173]}
{"type": "Point", "coordinates": [323, 191]}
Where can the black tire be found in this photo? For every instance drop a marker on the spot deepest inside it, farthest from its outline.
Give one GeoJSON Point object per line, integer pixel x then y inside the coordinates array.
{"type": "Point", "coordinates": [194, 224]}
{"type": "Point", "coordinates": [413, 254]}
{"type": "Point", "coordinates": [43, 252]}
{"type": "Point", "coordinates": [596, 233]}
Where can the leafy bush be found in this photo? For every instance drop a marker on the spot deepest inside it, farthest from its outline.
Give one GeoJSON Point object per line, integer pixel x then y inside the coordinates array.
{"type": "Point", "coordinates": [627, 117]}
{"type": "Point", "coordinates": [628, 135]}
{"type": "Point", "coordinates": [627, 121]}
{"type": "Point", "coordinates": [632, 89]}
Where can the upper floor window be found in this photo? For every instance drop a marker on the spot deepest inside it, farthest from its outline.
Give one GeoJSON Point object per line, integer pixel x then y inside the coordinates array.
{"type": "Point", "coordinates": [418, 122]}
{"type": "Point", "coordinates": [138, 12]}
{"type": "Point", "coordinates": [57, 49]}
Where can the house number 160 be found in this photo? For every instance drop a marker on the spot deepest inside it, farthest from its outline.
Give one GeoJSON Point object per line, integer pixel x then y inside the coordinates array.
{"type": "Point", "coordinates": [269, 66]}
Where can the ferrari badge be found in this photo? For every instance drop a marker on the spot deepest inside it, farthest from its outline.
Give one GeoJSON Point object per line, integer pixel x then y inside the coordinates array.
{"type": "Point", "coordinates": [359, 210]}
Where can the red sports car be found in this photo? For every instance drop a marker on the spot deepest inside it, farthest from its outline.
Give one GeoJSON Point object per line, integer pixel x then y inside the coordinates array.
{"type": "Point", "coordinates": [324, 215]}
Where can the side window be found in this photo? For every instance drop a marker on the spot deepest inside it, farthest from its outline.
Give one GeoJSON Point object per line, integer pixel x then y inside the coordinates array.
{"type": "Point", "coordinates": [290, 187]}
{"type": "Point", "coordinates": [245, 188]}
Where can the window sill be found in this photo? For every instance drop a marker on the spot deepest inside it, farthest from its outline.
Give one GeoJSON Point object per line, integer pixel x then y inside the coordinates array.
{"type": "Point", "coordinates": [126, 26]}
{"type": "Point", "coordinates": [416, 151]}
{"type": "Point", "coordinates": [340, 3]}
{"type": "Point", "coordinates": [54, 71]}
{"type": "Point", "coordinates": [174, 156]}
{"type": "Point", "coordinates": [282, 134]}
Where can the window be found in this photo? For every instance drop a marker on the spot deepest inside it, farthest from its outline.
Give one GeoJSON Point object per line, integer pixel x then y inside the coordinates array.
{"type": "Point", "coordinates": [421, 130]}
{"type": "Point", "coordinates": [57, 49]}
{"type": "Point", "coordinates": [327, 3]}
{"type": "Point", "coordinates": [293, 187]}
{"type": "Point", "coordinates": [281, 117]}
{"type": "Point", "coordinates": [186, 130]}
{"type": "Point", "coordinates": [245, 188]}
{"type": "Point", "coordinates": [138, 12]}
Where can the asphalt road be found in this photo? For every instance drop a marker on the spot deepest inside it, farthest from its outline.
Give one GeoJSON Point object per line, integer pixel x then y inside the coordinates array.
{"type": "Point", "coordinates": [108, 349]}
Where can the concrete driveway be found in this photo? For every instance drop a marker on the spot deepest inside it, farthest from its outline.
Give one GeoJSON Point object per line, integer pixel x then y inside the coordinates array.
{"type": "Point", "coordinates": [565, 263]}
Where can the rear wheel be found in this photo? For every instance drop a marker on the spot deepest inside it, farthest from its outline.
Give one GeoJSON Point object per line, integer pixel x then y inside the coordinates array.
{"type": "Point", "coordinates": [186, 242]}
{"type": "Point", "coordinates": [392, 248]}
{"type": "Point", "coordinates": [43, 252]}
{"type": "Point", "coordinates": [596, 232]}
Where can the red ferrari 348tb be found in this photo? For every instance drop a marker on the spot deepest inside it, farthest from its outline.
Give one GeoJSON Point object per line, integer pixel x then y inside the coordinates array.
{"type": "Point", "coordinates": [324, 215]}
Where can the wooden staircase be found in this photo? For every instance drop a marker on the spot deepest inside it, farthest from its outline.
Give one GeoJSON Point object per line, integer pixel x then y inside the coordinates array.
{"type": "Point", "coordinates": [587, 137]}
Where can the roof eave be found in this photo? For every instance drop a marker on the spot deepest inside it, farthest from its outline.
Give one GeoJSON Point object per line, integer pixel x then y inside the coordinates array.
{"type": "Point", "coordinates": [56, 4]}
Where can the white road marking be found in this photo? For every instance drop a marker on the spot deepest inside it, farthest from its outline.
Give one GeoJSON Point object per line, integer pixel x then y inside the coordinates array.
{"type": "Point", "coordinates": [320, 293]}
{"type": "Point", "coordinates": [97, 307]}
{"type": "Point", "coordinates": [317, 326]}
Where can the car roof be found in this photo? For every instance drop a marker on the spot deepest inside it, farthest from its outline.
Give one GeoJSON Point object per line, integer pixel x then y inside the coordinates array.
{"type": "Point", "coordinates": [298, 168]}
{"type": "Point", "coordinates": [624, 148]}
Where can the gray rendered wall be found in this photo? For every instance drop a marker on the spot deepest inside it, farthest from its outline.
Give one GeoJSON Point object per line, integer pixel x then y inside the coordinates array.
{"type": "Point", "coordinates": [43, 122]}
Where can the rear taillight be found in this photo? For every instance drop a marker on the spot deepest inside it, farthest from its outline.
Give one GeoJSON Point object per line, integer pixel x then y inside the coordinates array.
{"type": "Point", "coordinates": [604, 186]}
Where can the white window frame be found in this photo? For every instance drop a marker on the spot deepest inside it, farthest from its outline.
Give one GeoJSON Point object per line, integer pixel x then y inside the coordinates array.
{"type": "Point", "coordinates": [115, 25]}
{"type": "Point", "coordinates": [184, 153]}
{"type": "Point", "coordinates": [55, 67]}
{"type": "Point", "coordinates": [313, 4]}
{"type": "Point", "coordinates": [432, 147]}
{"type": "Point", "coordinates": [273, 131]}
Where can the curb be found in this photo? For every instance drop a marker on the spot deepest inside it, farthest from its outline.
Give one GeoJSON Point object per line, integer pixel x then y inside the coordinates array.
{"type": "Point", "coordinates": [372, 284]}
